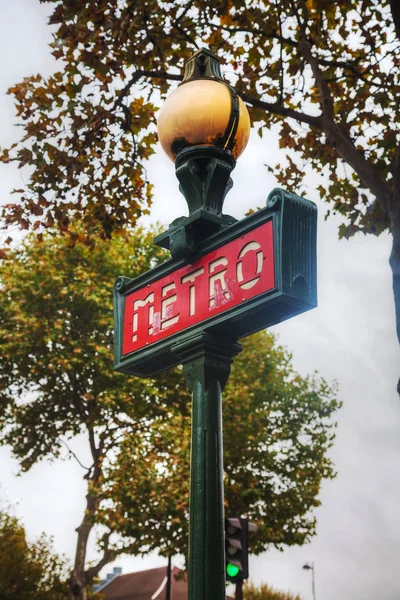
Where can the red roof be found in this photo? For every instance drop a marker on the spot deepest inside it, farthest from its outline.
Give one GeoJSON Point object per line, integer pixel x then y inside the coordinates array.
{"type": "Point", "coordinates": [146, 585]}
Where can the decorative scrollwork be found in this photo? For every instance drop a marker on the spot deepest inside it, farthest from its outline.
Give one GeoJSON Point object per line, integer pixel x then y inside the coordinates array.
{"type": "Point", "coordinates": [121, 282]}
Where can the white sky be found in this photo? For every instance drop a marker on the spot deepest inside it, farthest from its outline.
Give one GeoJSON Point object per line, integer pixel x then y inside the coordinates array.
{"type": "Point", "coordinates": [350, 337]}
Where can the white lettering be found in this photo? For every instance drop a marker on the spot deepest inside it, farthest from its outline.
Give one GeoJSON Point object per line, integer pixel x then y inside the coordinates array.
{"type": "Point", "coordinates": [192, 293]}
{"type": "Point", "coordinates": [167, 310]}
{"type": "Point", "coordinates": [259, 264]}
{"type": "Point", "coordinates": [140, 304]}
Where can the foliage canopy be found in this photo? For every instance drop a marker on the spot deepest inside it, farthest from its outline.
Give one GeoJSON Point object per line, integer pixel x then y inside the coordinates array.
{"type": "Point", "coordinates": [57, 381]}
{"type": "Point", "coordinates": [29, 570]}
{"type": "Point", "coordinates": [324, 73]}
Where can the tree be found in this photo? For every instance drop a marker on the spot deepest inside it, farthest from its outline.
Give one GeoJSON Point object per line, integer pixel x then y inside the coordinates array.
{"type": "Point", "coordinates": [57, 381]}
{"type": "Point", "coordinates": [29, 570]}
{"type": "Point", "coordinates": [265, 592]}
{"type": "Point", "coordinates": [277, 429]}
{"type": "Point", "coordinates": [323, 73]}
{"type": "Point", "coordinates": [56, 371]}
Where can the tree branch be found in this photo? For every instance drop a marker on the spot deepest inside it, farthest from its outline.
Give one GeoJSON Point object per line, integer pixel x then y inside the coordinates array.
{"type": "Point", "coordinates": [108, 556]}
{"type": "Point", "coordinates": [346, 65]}
{"type": "Point", "coordinates": [73, 454]}
{"type": "Point", "coordinates": [322, 84]}
{"type": "Point", "coordinates": [279, 109]}
{"type": "Point", "coordinates": [256, 32]}
{"type": "Point", "coordinates": [97, 453]}
{"type": "Point", "coordinates": [137, 75]}
{"type": "Point", "coordinates": [185, 11]}
{"type": "Point", "coordinates": [337, 136]}
{"type": "Point", "coordinates": [76, 397]}
{"type": "Point", "coordinates": [282, 70]}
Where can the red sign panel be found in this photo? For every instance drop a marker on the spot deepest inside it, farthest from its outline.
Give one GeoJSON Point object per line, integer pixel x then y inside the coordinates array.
{"type": "Point", "coordinates": [216, 282]}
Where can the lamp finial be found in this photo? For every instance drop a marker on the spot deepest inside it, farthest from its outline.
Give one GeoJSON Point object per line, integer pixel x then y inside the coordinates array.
{"type": "Point", "coordinates": [203, 64]}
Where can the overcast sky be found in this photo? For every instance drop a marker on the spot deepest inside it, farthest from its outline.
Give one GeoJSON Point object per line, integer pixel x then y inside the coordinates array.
{"type": "Point", "coordinates": [350, 338]}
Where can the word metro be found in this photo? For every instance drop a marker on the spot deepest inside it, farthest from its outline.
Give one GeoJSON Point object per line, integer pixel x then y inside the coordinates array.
{"type": "Point", "coordinates": [217, 281]}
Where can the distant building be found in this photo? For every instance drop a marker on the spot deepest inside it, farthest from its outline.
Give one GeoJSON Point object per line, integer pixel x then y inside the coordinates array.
{"type": "Point", "coordinates": [145, 585]}
{"type": "Point", "coordinates": [109, 577]}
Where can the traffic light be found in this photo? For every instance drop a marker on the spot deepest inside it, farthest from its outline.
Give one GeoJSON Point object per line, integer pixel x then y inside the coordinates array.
{"type": "Point", "coordinates": [236, 549]}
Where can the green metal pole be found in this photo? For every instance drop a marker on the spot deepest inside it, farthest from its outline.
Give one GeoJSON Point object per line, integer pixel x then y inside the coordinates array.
{"type": "Point", "coordinates": [206, 364]}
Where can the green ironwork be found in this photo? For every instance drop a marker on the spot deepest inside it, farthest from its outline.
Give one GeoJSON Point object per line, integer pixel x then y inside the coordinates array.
{"type": "Point", "coordinates": [206, 363]}
{"type": "Point", "coordinates": [202, 65]}
{"type": "Point", "coordinates": [204, 176]}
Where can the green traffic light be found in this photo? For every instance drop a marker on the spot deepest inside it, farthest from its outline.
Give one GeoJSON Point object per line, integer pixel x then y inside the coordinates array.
{"type": "Point", "coordinates": [232, 570]}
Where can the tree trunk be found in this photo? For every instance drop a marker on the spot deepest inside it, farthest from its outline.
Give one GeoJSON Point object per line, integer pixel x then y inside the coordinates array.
{"type": "Point", "coordinates": [80, 577]}
{"type": "Point", "coordinates": [78, 580]}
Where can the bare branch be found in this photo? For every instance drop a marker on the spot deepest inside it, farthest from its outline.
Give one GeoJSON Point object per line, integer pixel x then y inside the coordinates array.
{"type": "Point", "coordinates": [282, 70]}
{"type": "Point", "coordinates": [278, 109]}
{"type": "Point", "coordinates": [160, 75]}
{"type": "Point", "coordinates": [185, 11]}
{"type": "Point", "coordinates": [322, 84]}
{"type": "Point", "coordinates": [137, 76]}
{"type": "Point", "coordinates": [109, 555]}
{"type": "Point", "coordinates": [346, 65]}
{"type": "Point", "coordinates": [76, 397]}
{"type": "Point", "coordinates": [73, 454]}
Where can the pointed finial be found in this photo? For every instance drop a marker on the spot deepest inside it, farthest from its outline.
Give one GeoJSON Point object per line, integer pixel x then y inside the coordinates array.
{"type": "Point", "coordinates": [203, 64]}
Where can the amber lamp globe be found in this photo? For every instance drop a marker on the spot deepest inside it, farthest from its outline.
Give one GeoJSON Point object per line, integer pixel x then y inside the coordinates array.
{"type": "Point", "coordinates": [199, 112]}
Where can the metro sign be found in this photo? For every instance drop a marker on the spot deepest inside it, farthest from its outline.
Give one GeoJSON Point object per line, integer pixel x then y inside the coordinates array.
{"type": "Point", "coordinates": [210, 285]}
{"type": "Point", "coordinates": [255, 273]}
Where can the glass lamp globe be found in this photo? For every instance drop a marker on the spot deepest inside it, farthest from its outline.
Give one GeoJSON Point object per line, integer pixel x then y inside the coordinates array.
{"type": "Point", "coordinates": [199, 113]}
